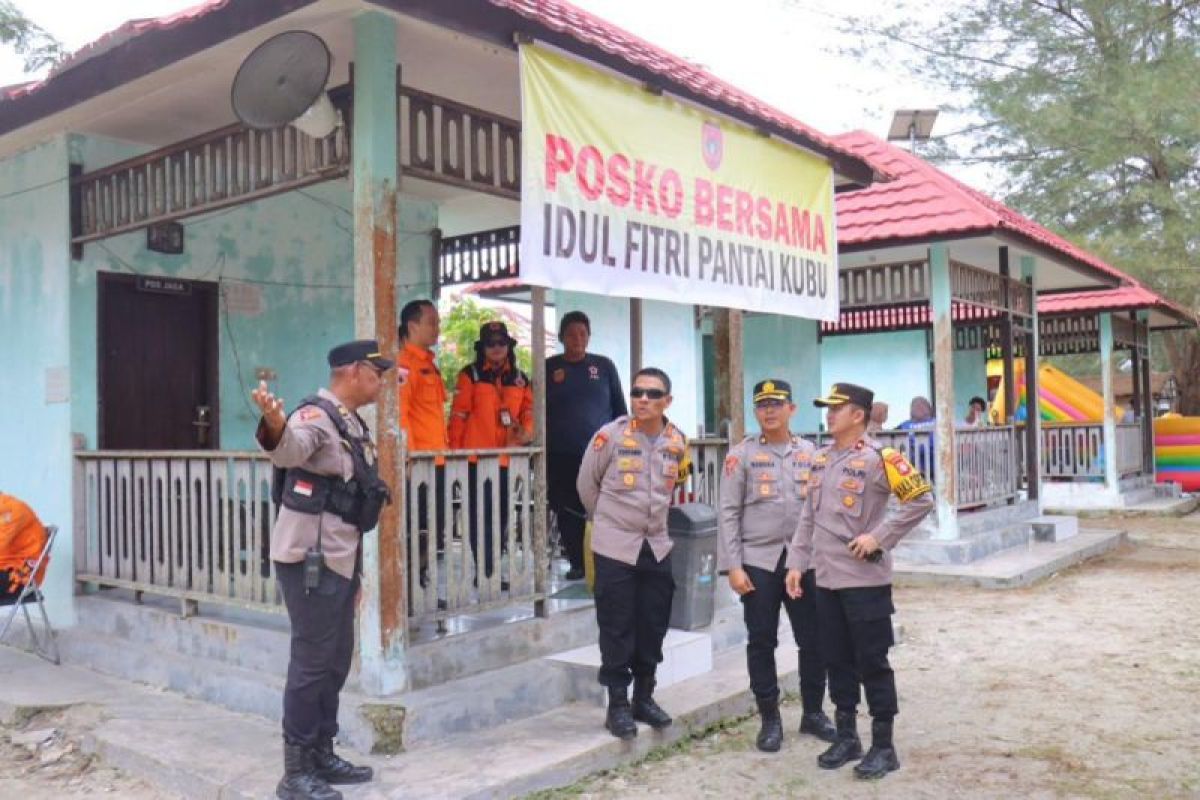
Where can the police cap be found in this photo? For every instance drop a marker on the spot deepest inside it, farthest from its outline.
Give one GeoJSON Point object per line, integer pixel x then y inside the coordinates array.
{"type": "Point", "coordinates": [842, 393]}
{"type": "Point", "coordinates": [358, 350]}
{"type": "Point", "coordinates": [772, 389]}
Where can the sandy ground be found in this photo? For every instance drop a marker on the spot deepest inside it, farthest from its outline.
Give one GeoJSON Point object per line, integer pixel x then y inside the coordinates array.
{"type": "Point", "coordinates": [1086, 685]}
{"type": "Point", "coordinates": [37, 761]}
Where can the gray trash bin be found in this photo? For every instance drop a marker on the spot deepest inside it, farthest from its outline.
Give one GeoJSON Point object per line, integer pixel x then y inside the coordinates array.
{"type": "Point", "coordinates": [693, 529]}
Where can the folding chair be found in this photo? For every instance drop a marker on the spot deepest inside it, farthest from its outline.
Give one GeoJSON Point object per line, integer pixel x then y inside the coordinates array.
{"type": "Point", "coordinates": [31, 592]}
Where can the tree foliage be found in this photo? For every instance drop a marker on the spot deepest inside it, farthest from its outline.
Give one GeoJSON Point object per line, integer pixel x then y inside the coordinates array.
{"type": "Point", "coordinates": [38, 47]}
{"type": "Point", "coordinates": [1091, 108]}
{"type": "Point", "coordinates": [460, 329]}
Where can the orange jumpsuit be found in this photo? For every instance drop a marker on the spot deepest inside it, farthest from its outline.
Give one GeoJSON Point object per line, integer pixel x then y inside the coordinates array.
{"type": "Point", "coordinates": [422, 399]}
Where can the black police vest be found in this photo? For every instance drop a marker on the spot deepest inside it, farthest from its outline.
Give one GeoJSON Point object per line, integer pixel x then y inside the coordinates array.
{"type": "Point", "coordinates": [358, 501]}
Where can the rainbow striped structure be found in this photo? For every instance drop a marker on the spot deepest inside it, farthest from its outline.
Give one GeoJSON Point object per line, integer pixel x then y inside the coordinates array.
{"type": "Point", "coordinates": [1061, 398]}
{"type": "Point", "coordinates": [1177, 451]}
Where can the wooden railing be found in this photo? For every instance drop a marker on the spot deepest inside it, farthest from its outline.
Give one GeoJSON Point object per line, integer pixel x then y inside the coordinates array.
{"type": "Point", "coordinates": [988, 468]}
{"type": "Point", "coordinates": [192, 525]}
{"type": "Point", "coordinates": [456, 501]}
{"type": "Point", "coordinates": [197, 526]}
{"type": "Point", "coordinates": [1129, 448]}
{"type": "Point", "coordinates": [1072, 450]}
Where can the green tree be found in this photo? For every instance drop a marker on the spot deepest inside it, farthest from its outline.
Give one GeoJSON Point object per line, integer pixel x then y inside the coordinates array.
{"type": "Point", "coordinates": [39, 48]}
{"type": "Point", "coordinates": [460, 329]}
{"type": "Point", "coordinates": [1092, 110]}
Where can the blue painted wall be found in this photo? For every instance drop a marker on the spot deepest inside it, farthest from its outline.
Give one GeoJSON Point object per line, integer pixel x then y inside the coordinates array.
{"type": "Point", "coordinates": [894, 365]}
{"type": "Point", "coordinates": [970, 379]}
{"type": "Point", "coordinates": [783, 347]}
{"type": "Point", "coordinates": [35, 357]}
{"type": "Point", "coordinates": [285, 269]}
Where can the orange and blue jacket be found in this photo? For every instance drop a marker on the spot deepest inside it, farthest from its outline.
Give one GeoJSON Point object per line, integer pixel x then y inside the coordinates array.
{"type": "Point", "coordinates": [483, 398]}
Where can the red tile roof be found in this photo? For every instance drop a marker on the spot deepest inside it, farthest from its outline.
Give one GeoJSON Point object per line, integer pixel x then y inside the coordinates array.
{"type": "Point", "coordinates": [556, 15]}
{"type": "Point", "coordinates": [922, 203]}
{"type": "Point", "coordinates": [130, 29]}
{"type": "Point", "coordinates": [1123, 298]}
{"type": "Point", "coordinates": [592, 30]}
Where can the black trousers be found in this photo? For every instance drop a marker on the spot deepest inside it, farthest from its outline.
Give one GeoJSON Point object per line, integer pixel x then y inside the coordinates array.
{"type": "Point", "coordinates": [633, 608]}
{"type": "Point", "coordinates": [855, 627]}
{"type": "Point", "coordinates": [322, 647]}
{"type": "Point", "coordinates": [472, 487]}
{"type": "Point", "coordinates": [760, 610]}
{"type": "Point", "coordinates": [562, 469]}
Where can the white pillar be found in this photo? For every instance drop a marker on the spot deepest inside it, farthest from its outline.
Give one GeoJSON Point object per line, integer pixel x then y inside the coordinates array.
{"type": "Point", "coordinates": [945, 455]}
{"type": "Point", "coordinates": [1111, 480]}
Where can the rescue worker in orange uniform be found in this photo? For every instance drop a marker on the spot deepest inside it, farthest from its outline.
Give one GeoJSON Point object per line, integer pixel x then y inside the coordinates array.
{"type": "Point", "coordinates": [423, 411]}
{"type": "Point", "coordinates": [492, 408]}
{"type": "Point", "coordinates": [22, 537]}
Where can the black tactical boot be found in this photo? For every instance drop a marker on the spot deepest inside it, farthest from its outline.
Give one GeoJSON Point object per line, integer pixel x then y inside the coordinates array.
{"type": "Point", "coordinates": [881, 758]}
{"type": "Point", "coordinates": [332, 768]}
{"type": "Point", "coordinates": [619, 719]}
{"type": "Point", "coordinates": [770, 732]}
{"type": "Point", "coordinates": [299, 781]}
{"type": "Point", "coordinates": [847, 747]}
{"type": "Point", "coordinates": [644, 708]}
{"type": "Point", "coordinates": [819, 725]}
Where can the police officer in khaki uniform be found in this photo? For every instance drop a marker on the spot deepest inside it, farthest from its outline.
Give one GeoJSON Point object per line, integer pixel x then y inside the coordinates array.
{"type": "Point", "coordinates": [626, 479]}
{"type": "Point", "coordinates": [847, 530]}
{"type": "Point", "coordinates": [766, 478]}
{"type": "Point", "coordinates": [330, 492]}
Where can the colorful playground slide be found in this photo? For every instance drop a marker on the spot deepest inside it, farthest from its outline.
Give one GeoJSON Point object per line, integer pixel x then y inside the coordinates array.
{"type": "Point", "coordinates": [1061, 398]}
{"type": "Point", "coordinates": [1177, 451]}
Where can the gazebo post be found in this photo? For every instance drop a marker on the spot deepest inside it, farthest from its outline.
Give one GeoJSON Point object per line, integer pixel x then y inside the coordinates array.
{"type": "Point", "coordinates": [1110, 407]}
{"type": "Point", "coordinates": [941, 302]}
{"type": "Point", "coordinates": [383, 627]}
{"type": "Point", "coordinates": [1147, 400]}
{"type": "Point", "coordinates": [1006, 345]}
{"type": "Point", "coordinates": [1033, 417]}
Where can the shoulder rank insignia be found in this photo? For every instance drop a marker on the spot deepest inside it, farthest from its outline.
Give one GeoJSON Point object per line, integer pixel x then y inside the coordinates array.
{"type": "Point", "coordinates": [599, 440]}
{"type": "Point", "coordinates": [903, 479]}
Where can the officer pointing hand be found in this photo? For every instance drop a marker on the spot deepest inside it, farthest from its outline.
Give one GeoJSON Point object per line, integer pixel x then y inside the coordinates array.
{"type": "Point", "coordinates": [271, 408]}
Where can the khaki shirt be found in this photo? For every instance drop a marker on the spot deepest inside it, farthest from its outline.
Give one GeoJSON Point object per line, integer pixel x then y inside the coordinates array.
{"type": "Point", "coordinates": [625, 482]}
{"type": "Point", "coordinates": [762, 493]}
{"type": "Point", "coordinates": [848, 495]}
{"type": "Point", "coordinates": [311, 441]}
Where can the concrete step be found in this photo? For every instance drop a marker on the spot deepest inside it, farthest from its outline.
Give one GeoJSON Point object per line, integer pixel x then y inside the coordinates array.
{"type": "Point", "coordinates": [260, 641]}
{"type": "Point", "coordinates": [203, 752]}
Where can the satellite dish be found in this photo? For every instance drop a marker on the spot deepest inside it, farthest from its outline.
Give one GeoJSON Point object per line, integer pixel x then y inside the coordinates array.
{"type": "Point", "coordinates": [283, 82]}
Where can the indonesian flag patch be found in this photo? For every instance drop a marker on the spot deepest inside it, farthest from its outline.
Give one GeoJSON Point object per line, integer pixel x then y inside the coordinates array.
{"type": "Point", "coordinates": [302, 488]}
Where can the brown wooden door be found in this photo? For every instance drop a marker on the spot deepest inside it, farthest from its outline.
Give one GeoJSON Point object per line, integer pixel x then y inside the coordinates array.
{"type": "Point", "coordinates": [157, 363]}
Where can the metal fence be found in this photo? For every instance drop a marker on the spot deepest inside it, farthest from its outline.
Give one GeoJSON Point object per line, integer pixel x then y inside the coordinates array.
{"type": "Point", "coordinates": [192, 525]}
{"type": "Point", "coordinates": [703, 484]}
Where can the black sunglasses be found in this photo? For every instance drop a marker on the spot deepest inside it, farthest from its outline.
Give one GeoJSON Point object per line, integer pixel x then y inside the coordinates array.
{"type": "Point", "coordinates": [653, 394]}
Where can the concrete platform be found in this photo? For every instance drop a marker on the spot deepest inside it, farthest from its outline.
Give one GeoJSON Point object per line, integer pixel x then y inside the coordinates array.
{"type": "Point", "coordinates": [198, 750]}
{"type": "Point", "coordinates": [1016, 567]}
{"type": "Point", "coordinates": [1158, 506]}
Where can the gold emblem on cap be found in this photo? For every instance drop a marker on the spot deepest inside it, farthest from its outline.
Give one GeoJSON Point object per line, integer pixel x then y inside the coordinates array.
{"type": "Point", "coordinates": [769, 386]}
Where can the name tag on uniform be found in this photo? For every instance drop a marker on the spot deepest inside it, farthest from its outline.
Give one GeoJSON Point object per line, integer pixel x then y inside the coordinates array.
{"type": "Point", "coordinates": [761, 458]}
